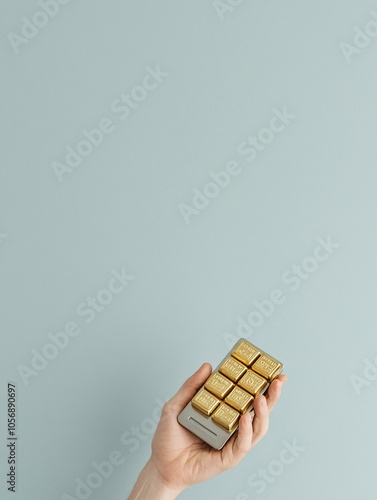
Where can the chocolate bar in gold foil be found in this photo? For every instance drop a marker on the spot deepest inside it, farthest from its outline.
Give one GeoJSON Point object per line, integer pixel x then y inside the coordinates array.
{"type": "Point", "coordinates": [230, 390]}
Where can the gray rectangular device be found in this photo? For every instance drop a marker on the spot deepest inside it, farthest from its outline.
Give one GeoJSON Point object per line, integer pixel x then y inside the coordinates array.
{"type": "Point", "coordinates": [204, 426]}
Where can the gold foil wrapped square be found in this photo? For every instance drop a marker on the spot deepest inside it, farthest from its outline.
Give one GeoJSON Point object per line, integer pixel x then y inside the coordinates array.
{"type": "Point", "coordinates": [252, 382]}
{"type": "Point", "coordinates": [246, 353]}
{"type": "Point", "coordinates": [232, 369]}
{"type": "Point", "coordinates": [219, 385]}
{"type": "Point", "coordinates": [266, 366]}
{"type": "Point", "coordinates": [205, 402]}
{"type": "Point", "coordinates": [239, 399]}
{"type": "Point", "coordinates": [226, 416]}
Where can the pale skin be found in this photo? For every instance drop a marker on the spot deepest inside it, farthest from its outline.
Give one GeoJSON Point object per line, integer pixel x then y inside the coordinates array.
{"type": "Point", "coordinates": [179, 459]}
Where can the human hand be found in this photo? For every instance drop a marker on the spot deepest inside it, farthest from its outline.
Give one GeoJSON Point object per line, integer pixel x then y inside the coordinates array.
{"type": "Point", "coordinates": [180, 459]}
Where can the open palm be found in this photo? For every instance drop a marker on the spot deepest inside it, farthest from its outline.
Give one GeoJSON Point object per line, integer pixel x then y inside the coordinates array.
{"type": "Point", "coordinates": [183, 459]}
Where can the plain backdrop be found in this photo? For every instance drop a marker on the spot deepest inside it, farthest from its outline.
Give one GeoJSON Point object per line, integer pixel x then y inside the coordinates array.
{"type": "Point", "coordinates": [227, 68]}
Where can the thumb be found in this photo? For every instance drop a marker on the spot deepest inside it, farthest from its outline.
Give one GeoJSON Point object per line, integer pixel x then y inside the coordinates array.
{"type": "Point", "coordinates": [190, 387]}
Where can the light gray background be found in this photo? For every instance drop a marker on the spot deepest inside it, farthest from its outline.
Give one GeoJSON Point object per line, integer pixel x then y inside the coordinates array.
{"type": "Point", "coordinates": [119, 209]}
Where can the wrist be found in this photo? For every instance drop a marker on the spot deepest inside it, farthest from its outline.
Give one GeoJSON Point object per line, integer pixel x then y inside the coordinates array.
{"type": "Point", "coordinates": [151, 486]}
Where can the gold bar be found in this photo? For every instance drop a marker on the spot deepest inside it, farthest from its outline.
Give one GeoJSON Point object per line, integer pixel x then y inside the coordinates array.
{"type": "Point", "coordinates": [246, 353]}
{"type": "Point", "coordinates": [252, 382]}
{"type": "Point", "coordinates": [232, 369]}
{"type": "Point", "coordinates": [239, 399]}
{"type": "Point", "coordinates": [219, 385]}
{"type": "Point", "coordinates": [266, 366]}
{"type": "Point", "coordinates": [226, 416]}
{"type": "Point", "coordinates": [205, 402]}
